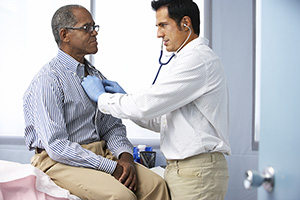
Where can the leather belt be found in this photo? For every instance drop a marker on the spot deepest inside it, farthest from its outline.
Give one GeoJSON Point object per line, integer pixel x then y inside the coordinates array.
{"type": "Point", "coordinates": [38, 150]}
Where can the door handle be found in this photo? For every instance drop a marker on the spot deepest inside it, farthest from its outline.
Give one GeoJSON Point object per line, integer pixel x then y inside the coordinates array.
{"type": "Point", "coordinates": [255, 179]}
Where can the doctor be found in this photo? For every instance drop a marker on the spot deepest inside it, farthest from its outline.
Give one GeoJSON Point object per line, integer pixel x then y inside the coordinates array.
{"type": "Point", "coordinates": [189, 107]}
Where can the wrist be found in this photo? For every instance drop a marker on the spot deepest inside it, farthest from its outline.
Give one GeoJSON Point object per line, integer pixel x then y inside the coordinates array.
{"type": "Point", "coordinates": [98, 95]}
{"type": "Point", "coordinates": [118, 170]}
{"type": "Point", "coordinates": [125, 156]}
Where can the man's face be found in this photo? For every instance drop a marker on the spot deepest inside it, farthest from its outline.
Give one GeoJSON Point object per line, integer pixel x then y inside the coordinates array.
{"type": "Point", "coordinates": [82, 42]}
{"type": "Point", "coordinates": [168, 30]}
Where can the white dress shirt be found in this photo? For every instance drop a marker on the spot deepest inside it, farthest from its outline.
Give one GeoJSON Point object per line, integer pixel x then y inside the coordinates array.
{"type": "Point", "coordinates": [189, 107]}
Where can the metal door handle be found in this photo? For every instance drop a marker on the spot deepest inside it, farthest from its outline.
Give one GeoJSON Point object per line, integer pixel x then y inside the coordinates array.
{"type": "Point", "coordinates": [255, 179]}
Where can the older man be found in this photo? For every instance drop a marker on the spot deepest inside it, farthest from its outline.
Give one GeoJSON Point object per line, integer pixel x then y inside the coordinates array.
{"type": "Point", "coordinates": [80, 148]}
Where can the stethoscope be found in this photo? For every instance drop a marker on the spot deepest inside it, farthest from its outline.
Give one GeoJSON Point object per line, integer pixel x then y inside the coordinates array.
{"type": "Point", "coordinates": [173, 54]}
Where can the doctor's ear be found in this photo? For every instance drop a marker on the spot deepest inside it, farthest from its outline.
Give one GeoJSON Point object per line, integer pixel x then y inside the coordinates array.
{"type": "Point", "coordinates": [186, 22]}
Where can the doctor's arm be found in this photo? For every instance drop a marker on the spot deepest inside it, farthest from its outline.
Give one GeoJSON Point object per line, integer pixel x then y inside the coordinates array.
{"type": "Point", "coordinates": [94, 88]}
{"type": "Point", "coordinates": [179, 88]}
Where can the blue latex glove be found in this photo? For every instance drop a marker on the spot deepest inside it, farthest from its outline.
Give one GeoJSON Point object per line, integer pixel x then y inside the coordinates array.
{"type": "Point", "coordinates": [93, 87]}
{"type": "Point", "coordinates": [112, 87]}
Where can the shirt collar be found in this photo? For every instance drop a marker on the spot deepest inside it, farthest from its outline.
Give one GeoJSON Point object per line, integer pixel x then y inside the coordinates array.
{"type": "Point", "coordinates": [70, 63]}
{"type": "Point", "coordinates": [192, 44]}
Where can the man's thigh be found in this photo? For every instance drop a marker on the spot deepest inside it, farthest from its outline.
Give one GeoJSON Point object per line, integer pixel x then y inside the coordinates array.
{"type": "Point", "coordinates": [89, 183]}
{"type": "Point", "coordinates": [93, 184]}
{"type": "Point", "coordinates": [85, 183]}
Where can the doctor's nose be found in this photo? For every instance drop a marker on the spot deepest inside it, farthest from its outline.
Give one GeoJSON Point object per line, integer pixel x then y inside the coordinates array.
{"type": "Point", "coordinates": [160, 34]}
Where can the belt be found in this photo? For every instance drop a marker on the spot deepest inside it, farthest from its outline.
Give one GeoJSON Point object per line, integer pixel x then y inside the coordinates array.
{"type": "Point", "coordinates": [211, 156]}
{"type": "Point", "coordinates": [38, 150]}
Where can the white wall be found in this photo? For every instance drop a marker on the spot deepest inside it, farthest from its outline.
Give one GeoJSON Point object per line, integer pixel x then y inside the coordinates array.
{"type": "Point", "coordinates": [232, 39]}
{"type": "Point", "coordinates": [27, 43]}
{"type": "Point", "coordinates": [128, 50]}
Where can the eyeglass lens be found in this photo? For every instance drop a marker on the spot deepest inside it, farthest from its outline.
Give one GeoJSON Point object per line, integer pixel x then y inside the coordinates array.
{"type": "Point", "coordinates": [92, 28]}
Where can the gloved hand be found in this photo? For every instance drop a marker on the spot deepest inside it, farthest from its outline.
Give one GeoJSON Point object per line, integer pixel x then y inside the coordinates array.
{"type": "Point", "coordinates": [112, 87]}
{"type": "Point", "coordinates": [93, 87]}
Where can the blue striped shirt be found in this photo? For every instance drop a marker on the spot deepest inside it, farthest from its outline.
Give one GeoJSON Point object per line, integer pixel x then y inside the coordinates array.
{"type": "Point", "coordinates": [59, 117]}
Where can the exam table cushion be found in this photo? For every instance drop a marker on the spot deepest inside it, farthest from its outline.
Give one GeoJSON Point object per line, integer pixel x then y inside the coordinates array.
{"type": "Point", "coordinates": [23, 181]}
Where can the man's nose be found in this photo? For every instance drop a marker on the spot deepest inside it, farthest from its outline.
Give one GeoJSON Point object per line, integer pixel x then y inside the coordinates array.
{"type": "Point", "coordinates": [159, 33]}
{"type": "Point", "coordinates": [94, 33]}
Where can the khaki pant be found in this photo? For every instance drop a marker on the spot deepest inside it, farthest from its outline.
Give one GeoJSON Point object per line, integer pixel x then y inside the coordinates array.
{"type": "Point", "coordinates": [201, 177]}
{"type": "Point", "coordinates": [91, 184]}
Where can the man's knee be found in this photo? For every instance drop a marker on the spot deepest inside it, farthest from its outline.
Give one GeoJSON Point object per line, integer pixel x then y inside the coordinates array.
{"type": "Point", "coordinates": [154, 188]}
{"type": "Point", "coordinates": [158, 181]}
{"type": "Point", "coordinates": [121, 194]}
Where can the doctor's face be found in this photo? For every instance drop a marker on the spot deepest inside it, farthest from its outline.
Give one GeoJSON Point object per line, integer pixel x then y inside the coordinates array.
{"type": "Point", "coordinates": [168, 30]}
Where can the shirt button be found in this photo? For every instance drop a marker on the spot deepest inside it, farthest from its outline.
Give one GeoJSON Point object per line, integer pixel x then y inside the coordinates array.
{"type": "Point", "coordinates": [165, 122]}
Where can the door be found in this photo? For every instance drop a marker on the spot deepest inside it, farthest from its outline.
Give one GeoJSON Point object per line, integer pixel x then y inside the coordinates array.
{"type": "Point", "coordinates": [279, 145]}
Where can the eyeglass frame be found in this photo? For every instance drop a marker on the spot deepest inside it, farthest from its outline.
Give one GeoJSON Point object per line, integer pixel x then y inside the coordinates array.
{"type": "Point", "coordinates": [93, 28]}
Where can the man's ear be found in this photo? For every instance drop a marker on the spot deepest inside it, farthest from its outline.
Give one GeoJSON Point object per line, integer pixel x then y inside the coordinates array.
{"type": "Point", "coordinates": [187, 21]}
{"type": "Point", "coordinates": [64, 35]}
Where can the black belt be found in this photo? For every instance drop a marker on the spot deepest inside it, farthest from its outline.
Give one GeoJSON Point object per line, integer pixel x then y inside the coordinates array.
{"type": "Point", "coordinates": [38, 150]}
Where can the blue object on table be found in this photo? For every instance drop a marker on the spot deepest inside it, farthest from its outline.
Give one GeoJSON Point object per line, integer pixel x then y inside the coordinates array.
{"type": "Point", "coordinates": [136, 153]}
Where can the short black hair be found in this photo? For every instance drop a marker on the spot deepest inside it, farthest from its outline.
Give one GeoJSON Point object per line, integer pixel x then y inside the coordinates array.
{"type": "Point", "coordinates": [178, 9]}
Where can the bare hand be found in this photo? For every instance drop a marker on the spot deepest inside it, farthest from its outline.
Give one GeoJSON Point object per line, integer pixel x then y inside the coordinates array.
{"type": "Point", "coordinates": [125, 171]}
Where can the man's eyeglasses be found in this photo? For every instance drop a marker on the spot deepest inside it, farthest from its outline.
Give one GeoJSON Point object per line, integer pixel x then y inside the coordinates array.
{"type": "Point", "coordinates": [88, 29]}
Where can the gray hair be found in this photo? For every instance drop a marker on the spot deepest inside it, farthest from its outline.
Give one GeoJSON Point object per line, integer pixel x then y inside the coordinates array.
{"type": "Point", "coordinates": [62, 18]}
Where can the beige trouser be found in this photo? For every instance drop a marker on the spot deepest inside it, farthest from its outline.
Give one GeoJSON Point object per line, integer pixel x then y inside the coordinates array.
{"type": "Point", "coordinates": [201, 177]}
{"type": "Point", "coordinates": [91, 184]}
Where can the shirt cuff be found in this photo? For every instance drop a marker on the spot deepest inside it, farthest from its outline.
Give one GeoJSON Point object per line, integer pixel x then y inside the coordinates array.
{"type": "Point", "coordinates": [123, 150]}
{"type": "Point", "coordinates": [110, 103]}
{"type": "Point", "coordinates": [103, 102]}
{"type": "Point", "coordinates": [108, 166]}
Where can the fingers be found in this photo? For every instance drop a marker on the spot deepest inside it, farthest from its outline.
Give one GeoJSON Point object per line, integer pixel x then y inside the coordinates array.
{"type": "Point", "coordinates": [108, 82]}
{"type": "Point", "coordinates": [128, 177]}
{"type": "Point", "coordinates": [109, 89]}
{"type": "Point", "coordinates": [109, 86]}
{"type": "Point", "coordinates": [130, 180]}
{"type": "Point", "coordinates": [93, 87]}
{"type": "Point", "coordinates": [124, 175]}
{"type": "Point", "coordinates": [132, 183]}
{"type": "Point", "coordinates": [91, 80]}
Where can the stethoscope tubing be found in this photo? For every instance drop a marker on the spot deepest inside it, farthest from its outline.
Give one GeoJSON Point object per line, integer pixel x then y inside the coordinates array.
{"type": "Point", "coordinates": [161, 64]}
{"type": "Point", "coordinates": [161, 53]}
